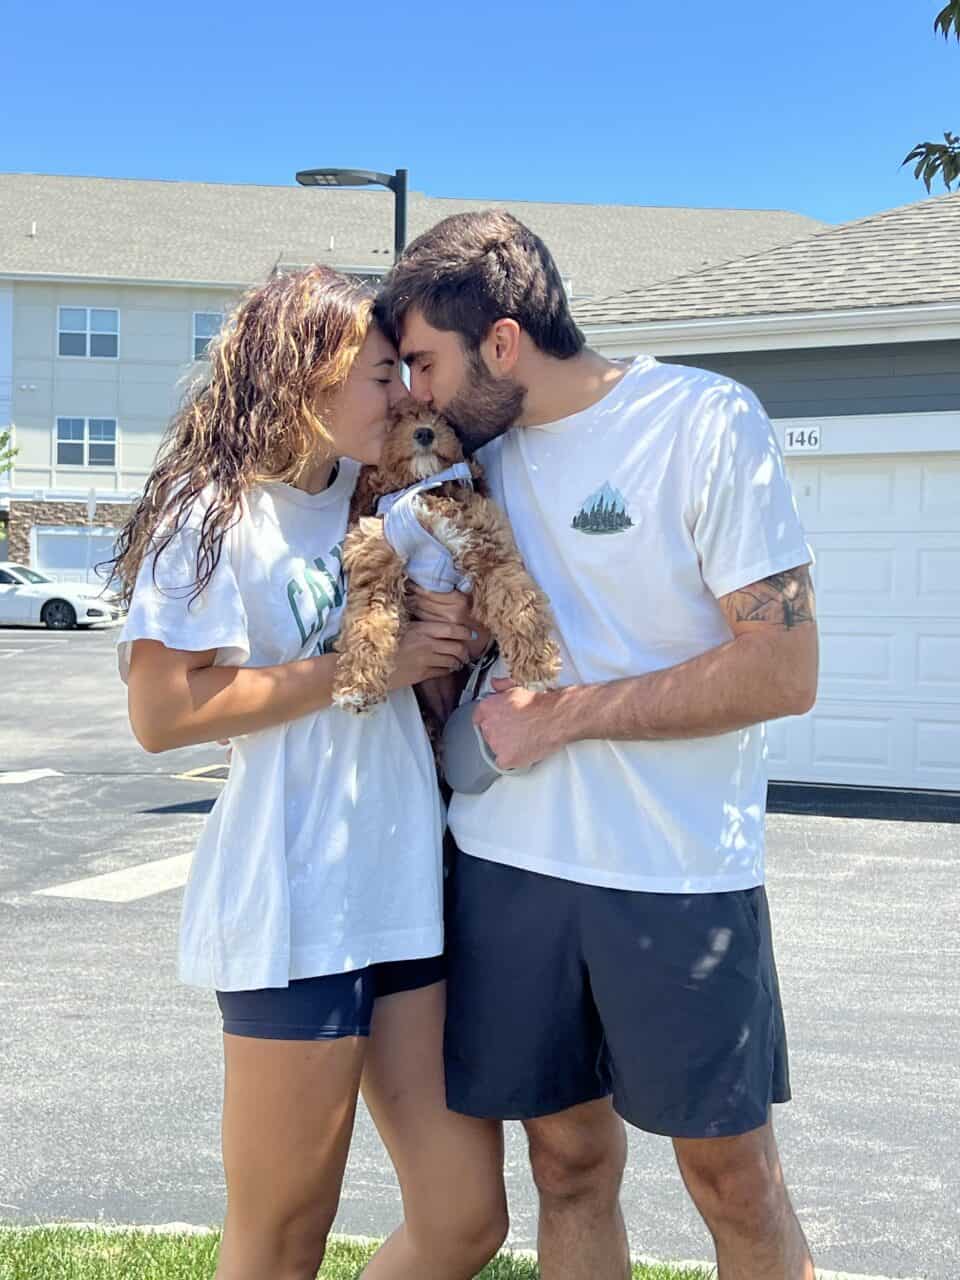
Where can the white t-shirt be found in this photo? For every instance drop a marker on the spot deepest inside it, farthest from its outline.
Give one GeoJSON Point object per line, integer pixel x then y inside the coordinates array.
{"type": "Point", "coordinates": [634, 516]}
{"type": "Point", "coordinates": [323, 851]}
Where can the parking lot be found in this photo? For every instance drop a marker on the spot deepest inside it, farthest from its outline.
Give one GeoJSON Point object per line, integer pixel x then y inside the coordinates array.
{"type": "Point", "coordinates": [111, 1070]}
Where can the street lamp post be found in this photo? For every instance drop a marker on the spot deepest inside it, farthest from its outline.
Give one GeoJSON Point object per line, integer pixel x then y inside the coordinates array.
{"type": "Point", "coordinates": [397, 183]}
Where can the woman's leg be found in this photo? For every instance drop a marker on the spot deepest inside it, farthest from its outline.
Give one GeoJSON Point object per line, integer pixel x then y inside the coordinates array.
{"type": "Point", "coordinates": [288, 1113]}
{"type": "Point", "coordinates": [450, 1167]}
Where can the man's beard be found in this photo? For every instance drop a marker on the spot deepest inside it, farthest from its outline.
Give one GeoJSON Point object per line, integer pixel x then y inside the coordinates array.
{"type": "Point", "coordinates": [484, 407]}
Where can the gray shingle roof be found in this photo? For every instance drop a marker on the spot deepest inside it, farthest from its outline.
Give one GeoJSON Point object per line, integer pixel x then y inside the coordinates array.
{"type": "Point", "coordinates": [192, 232]}
{"type": "Point", "coordinates": [902, 257]}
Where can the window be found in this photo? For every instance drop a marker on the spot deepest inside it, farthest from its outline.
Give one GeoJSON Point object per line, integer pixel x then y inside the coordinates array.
{"type": "Point", "coordinates": [88, 331]}
{"type": "Point", "coordinates": [8, 580]}
{"type": "Point", "coordinates": [206, 326]}
{"type": "Point", "coordinates": [101, 442]}
{"type": "Point", "coordinates": [86, 442]}
{"type": "Point", "coordinates": [70, 442]}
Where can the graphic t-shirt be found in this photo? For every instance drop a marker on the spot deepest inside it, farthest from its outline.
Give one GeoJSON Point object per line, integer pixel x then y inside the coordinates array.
{"type": "Point", "coordinates": [634, 517]}
{"type": "Point", "coordinates": [322, 853]}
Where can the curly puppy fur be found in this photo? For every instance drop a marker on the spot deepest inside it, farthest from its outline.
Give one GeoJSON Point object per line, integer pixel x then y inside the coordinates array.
{"type": "Point", "coordinates": [506, 600]}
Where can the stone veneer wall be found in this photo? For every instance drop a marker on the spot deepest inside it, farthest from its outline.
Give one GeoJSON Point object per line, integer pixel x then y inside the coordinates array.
{"type": "Point", "coordinates": [24, 515]}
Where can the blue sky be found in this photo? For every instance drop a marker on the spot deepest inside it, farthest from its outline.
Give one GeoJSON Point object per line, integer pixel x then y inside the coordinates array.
{"type": "Point", "coordinates": [737, 104]}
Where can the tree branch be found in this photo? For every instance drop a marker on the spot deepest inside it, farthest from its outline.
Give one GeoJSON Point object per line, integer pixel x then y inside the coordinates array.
{"type": "Point", "coordinates": [943, 158]}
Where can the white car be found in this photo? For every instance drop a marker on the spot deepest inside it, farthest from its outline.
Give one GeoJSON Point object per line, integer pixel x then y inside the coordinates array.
{"type": "Point", "coordinates": [29, 598]}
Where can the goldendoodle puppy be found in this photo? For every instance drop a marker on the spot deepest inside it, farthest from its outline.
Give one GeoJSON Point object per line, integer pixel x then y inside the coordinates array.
{"type": "Point", "coordinates": [422, 515]}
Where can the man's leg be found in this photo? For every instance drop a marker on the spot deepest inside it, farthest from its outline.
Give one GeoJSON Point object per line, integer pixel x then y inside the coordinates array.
{"type": "Point", "coordinates": [577, 1158]}
{"type": "Point", "coordinates": [687, 991]}
{"type": "Point", "coordinates": [737, 1185]}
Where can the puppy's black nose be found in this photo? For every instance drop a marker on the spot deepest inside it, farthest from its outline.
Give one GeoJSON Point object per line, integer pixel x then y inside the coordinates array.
{"type": "Point", "coordinates": [424, 435]}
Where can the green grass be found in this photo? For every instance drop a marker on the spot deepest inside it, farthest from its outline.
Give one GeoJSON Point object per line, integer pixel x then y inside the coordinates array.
{"type": "Point", "coordinates": [68, 1253]}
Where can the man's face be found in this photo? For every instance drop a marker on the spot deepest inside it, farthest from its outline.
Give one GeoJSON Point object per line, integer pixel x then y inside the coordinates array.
{"type": "Point", "coordinates": [458, 383]}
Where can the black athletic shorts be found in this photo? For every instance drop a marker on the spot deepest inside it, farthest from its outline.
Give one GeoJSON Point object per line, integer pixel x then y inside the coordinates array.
{"type": "Point", "coordinates": [559, 993]}
{"type": "Point", "coordinates": [324, 1008]}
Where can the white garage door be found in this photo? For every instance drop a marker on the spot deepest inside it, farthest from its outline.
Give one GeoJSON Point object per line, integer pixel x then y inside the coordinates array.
{"type": "Point", "coordinates": [886, 533]}
{"type": "Point", "coordinates": [71, 553]}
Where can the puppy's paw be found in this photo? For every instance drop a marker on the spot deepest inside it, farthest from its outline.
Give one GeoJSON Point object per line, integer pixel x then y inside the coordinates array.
{"type": "Point", "coordinates": [354, 690]}
{"type": "Point", "coordinates": [536, 670]}
{"type": "Point", "coordinates": [360, 703]}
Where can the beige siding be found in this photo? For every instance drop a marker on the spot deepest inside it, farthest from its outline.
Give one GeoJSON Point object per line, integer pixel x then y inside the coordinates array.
{"type": "Point", "coordinates": [34, 334]}
{"type": "Point", "coordinates": [33, 445]}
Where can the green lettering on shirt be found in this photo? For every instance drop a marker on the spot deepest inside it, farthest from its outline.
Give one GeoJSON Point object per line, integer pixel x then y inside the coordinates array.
{"type": "Point", "coordinates": [321, 589]}
{"type": "Point", "coordinates": [325, 589]}
{"type": "Point", "coordinates": [293, 590]}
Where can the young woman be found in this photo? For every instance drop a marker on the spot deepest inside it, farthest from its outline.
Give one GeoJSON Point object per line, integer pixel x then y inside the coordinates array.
{"type": "Point", "coordinates": [314, 902]}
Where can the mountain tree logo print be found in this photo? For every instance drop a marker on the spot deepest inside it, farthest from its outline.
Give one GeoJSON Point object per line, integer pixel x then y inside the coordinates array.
{"type": "Point", "coordinates": [603, 512]}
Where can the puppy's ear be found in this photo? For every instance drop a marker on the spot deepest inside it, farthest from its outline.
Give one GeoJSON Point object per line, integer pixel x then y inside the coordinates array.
{"type": "Point", "coordinates": [370, 487]}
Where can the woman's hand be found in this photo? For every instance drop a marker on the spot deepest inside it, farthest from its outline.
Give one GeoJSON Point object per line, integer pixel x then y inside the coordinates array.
{"type": "Point", "coordinates": [429, 649]}
{"type": "Point", "coordinates": [449, 606]}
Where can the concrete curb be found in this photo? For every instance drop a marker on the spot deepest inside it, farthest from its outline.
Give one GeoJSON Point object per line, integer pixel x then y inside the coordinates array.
{"type": "Point", "coordinates": [192, 1229]}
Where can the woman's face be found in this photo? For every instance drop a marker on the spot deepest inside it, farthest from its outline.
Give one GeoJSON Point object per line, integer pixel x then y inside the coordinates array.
{"type": "Point", "coordinates": [356, 415]}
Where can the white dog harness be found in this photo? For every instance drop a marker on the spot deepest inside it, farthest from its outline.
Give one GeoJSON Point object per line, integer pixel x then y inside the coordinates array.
{"type": "Point", "coordinates": [428, 561]}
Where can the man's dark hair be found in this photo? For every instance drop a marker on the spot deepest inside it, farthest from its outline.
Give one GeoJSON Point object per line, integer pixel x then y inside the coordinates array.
{"type": "Point", "coordinates": [473, 269]}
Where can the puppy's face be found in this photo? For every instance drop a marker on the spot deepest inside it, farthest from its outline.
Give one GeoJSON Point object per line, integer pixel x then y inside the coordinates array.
{"type": "Point", "coordinates": [419, 444]}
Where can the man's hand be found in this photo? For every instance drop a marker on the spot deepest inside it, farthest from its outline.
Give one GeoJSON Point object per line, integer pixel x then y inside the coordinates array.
{"type": "Point", "coordinates": [449, 606]}
{"type": "Point", "coordinates": [520, 727]}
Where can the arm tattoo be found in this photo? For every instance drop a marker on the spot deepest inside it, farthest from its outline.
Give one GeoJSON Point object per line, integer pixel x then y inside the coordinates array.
{"type": "Point", "coordinates": [783, 599]}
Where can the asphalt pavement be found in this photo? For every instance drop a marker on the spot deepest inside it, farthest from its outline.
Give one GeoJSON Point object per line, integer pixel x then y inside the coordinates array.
{"type": "Point", "coordinates": [111, 1071]}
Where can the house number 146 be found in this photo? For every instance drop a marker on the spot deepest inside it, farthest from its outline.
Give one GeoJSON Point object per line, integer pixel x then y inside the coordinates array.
{"type": "Point", "coordinates": [801, 439]}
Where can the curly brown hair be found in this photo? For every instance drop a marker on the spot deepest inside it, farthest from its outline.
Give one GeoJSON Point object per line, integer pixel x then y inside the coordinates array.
{"type": "Point", "coordinates": [255, 418]}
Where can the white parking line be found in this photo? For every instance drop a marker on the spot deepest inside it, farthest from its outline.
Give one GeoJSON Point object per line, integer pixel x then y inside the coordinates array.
{"type": "Point", "coordinates": [27, 775]}
{"type": "Point", "coordinates": [32, 641]}
{"type": "Point", "coordinates": [27, 646]}
{"type": "Point", "coordinates": [127, 886]}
